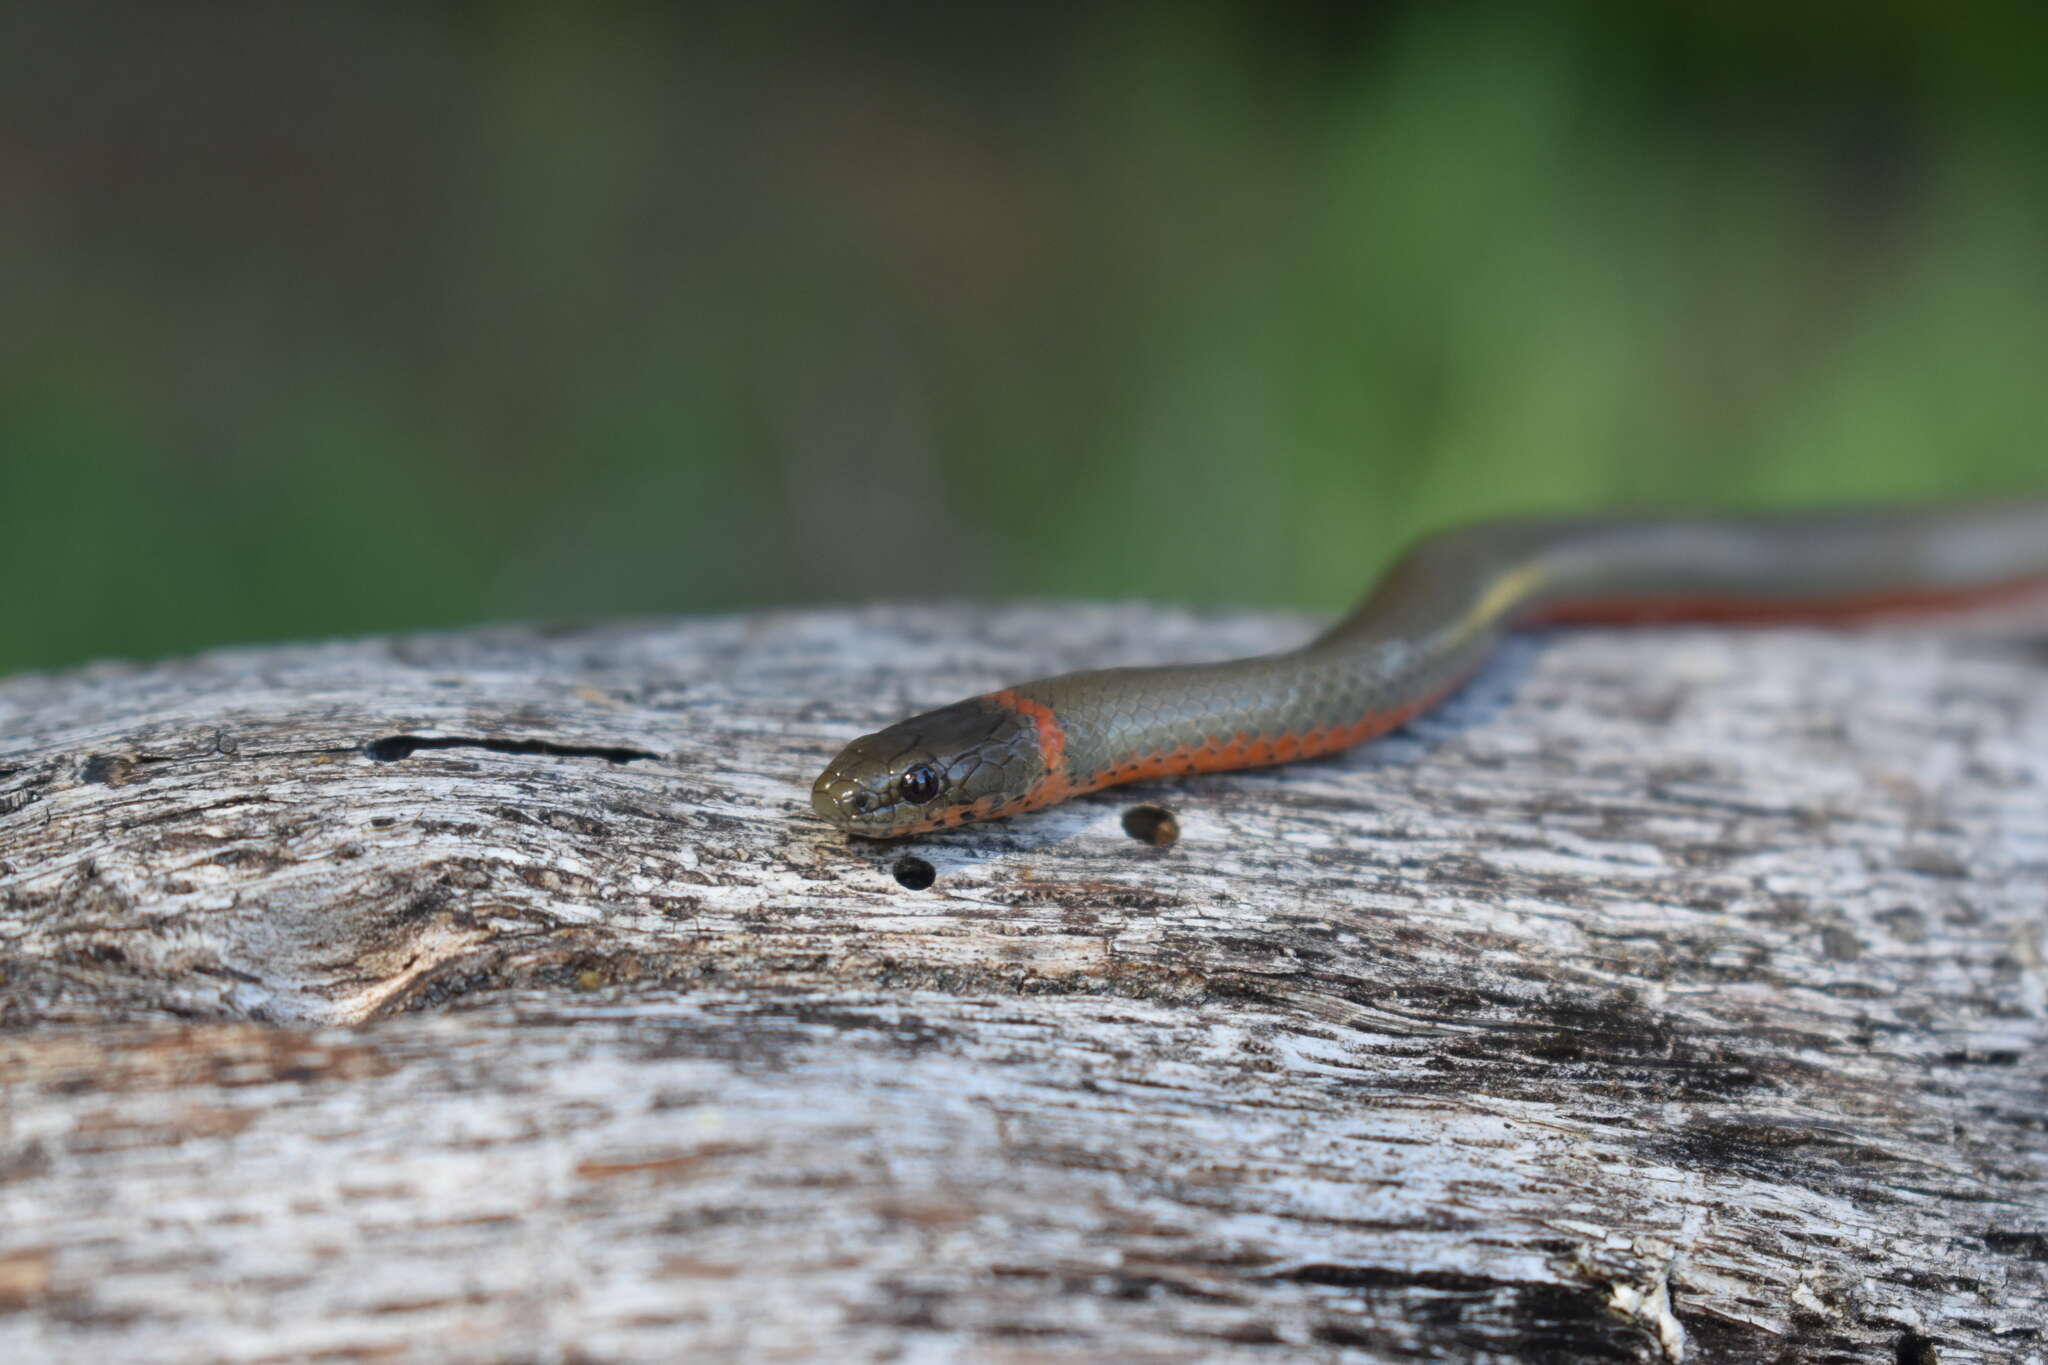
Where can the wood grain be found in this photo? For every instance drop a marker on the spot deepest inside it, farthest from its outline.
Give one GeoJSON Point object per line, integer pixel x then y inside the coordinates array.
{"type": "Point", "coordinates": [1669, 995]}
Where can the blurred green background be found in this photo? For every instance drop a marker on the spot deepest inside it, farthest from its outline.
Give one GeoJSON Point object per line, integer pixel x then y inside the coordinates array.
{"type": "Point", "coordinates": [357, 318]}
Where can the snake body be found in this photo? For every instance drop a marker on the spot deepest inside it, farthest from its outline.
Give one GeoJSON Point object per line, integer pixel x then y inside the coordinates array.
{"type": "Point", "coordinates": [1420, 631]}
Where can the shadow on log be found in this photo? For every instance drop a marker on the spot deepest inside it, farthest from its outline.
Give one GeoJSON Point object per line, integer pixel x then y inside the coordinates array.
{"type": "Point", "coordinates": [1668, 995]}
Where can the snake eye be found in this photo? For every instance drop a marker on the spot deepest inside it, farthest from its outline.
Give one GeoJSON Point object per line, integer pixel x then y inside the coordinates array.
{"type": "Point", "coordinates": [861, 802]}
{"type": "Point", "coordinates": [920, 784]}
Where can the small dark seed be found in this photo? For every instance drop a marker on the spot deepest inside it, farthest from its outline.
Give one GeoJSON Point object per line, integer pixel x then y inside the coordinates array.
{"type": "Point", "coordinates": [1152, 825]}
{"type": "Point", "coordinates": [914, 874]}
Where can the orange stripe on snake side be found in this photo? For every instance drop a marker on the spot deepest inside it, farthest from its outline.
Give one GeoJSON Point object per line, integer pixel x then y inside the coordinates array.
{"type": "Point", "coordinates": [1057, 784]}
{"type": "Point", "coordinates": [1240, 750]}
{"type": "Point", "coordinates": [1420, 629]}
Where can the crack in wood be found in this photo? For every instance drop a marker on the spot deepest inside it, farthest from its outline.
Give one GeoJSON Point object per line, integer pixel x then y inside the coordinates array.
{"type": "Point", "coordinates": [1576, 1026]}
{"type": "Point", "coordinates": [395, 748]}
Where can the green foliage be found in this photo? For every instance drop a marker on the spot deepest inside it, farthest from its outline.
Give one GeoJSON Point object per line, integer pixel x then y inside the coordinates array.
{"type": "Point", "coordinates": [546, 312]}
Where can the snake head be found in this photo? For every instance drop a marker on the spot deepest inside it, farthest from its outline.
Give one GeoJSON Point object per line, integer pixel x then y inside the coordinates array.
{"type": "Point", "coordinates": [968, 761]}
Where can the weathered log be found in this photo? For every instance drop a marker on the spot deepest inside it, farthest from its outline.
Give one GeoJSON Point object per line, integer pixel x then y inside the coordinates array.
{"type": "Point", "coordinates": [1672, 994]}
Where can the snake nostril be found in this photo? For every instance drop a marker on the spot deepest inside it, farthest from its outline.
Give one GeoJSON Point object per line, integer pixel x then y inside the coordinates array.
{"type": "Point", "coordinates": [839, 800]}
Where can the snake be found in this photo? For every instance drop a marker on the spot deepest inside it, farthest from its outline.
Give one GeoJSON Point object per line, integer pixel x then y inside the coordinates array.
{"type": "Point", "coordinates": [1423, 628]}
